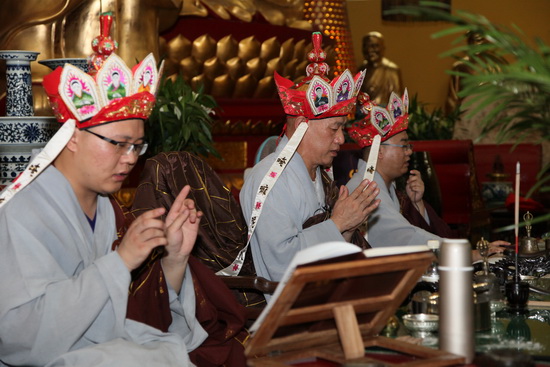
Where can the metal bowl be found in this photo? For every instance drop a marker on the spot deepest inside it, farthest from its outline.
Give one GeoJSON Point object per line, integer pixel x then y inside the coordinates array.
{"type": "Point", "coordinates": [421, 322]}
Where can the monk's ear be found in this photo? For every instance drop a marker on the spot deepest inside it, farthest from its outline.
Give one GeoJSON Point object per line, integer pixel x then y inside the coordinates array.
{"type": "Point", "coordinates": [72, 144]}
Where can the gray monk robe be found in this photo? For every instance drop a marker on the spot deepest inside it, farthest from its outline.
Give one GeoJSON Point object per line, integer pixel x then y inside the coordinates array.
{"type": "Point", "coordinates": [282, 230]}
{"type": "Point", "coordinates": [64, 292]}
{"type": "Point", "coordinates": [396, 222]}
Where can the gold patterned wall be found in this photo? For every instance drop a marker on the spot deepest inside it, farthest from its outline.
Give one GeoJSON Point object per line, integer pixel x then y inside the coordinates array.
{"type": "Point", "coordinates": [228, 66]}
{"type": "Point", "coordinates": [277, 12]}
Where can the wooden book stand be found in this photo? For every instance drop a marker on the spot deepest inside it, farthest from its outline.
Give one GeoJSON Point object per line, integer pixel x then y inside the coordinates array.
{"type": "Point", "coordinates": [334, 309]}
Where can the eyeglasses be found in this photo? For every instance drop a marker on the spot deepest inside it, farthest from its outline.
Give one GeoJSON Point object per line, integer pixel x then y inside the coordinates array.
{"type": "Point", "coordinates": [123, 147]}
{"type": "Point", "coordinates": [404, 146]}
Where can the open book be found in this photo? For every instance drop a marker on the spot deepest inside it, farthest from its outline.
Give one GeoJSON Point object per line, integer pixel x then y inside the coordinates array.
{"type": "Point", "coordinates": [335, 251]}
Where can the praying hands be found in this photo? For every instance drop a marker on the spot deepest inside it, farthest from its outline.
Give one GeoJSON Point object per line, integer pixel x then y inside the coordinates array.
{"type": "Point", "coordinates": [352, 210]}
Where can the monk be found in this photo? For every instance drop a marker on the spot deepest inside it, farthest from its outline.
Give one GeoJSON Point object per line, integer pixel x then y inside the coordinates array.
{"type": "Point", "coordinates": [74, 289]}
{"type": "Point", "coordinates": [304, 207]}
{"type": "Point", "coordinates": [401, 218]}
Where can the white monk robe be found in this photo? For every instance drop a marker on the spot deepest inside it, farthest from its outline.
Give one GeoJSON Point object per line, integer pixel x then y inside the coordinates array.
{"type": "Point", "coordinates": [63, 292]}
{"type": "Point", "coordinates": [386, 225]}
{"type": "Point", "coordinates": [293, 200]}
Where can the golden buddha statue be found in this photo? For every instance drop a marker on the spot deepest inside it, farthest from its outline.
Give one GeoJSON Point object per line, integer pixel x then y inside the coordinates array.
{"type": "Point", "coordinates": [277, 12]}
{"type": "Point", "coordinates": [383, 76]}
{"type": "Point", "coordinates": [65, 28]}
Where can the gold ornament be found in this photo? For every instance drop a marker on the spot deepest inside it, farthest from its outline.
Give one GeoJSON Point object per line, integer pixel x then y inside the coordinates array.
{"type": "Point", "coordinates": [228, 48]}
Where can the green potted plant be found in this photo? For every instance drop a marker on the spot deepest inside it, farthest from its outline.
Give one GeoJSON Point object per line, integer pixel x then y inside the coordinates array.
{"type": "Point", "coordinates": [517, 91]}
{"type": "Point", "coordinates": [426, 125]}
{"type": "Point", "coordinates": [181, 120]}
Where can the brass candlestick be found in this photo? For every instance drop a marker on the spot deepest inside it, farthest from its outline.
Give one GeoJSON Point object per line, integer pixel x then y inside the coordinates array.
{"type": "Point", "coordinates": [483, 248]}
{"type": "Point", "coordinates": [528, 244]}
{"type": "Point", "coordinates": [517, 292]}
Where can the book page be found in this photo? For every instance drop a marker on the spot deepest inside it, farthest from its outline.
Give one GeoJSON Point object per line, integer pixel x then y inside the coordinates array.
{"type": "Point", "coordinates": [312, 254]}
{"type": "Point", "coordinates": [327, 251]}
{"type": "Point", "coordinates": [394, 250]}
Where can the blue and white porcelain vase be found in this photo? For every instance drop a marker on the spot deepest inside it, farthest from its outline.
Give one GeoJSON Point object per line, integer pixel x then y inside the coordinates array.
{"type": "Point", "coordinates": [19, 101]}
{"type": "Point", "coordinates": [20, 131]}
{"type": "Point", "coordinates": [19, 136]}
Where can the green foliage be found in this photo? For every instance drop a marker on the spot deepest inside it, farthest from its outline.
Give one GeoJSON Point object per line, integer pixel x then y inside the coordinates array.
{"type": "Point", "coordinates": [518, 91]}
{"type": "Point", "coordinates": [435, 125]}
{"type": "Point", "coordinates": [181, 120]}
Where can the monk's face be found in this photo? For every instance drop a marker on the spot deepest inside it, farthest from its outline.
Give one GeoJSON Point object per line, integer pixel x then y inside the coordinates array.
{"type": "Point", "coordinates": [373, 49]}
{"type": "Point", "coordinates": [393, 161]}
{"type": "Point", "coordinates": [102, 167]}
{"type": "Point", "coordinates": [322, 141]}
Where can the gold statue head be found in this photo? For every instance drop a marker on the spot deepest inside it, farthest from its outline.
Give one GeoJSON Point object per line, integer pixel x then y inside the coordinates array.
{"type": "Point", "coordinates": [373, 47]}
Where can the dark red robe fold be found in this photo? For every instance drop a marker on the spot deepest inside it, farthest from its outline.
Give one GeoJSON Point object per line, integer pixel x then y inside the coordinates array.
{"type": "Point", "coordinates": [223, 230]}
{"type": "Point", "coordinates": [217, 310]}
{"type": "Point", "coordinates": [436, 226]}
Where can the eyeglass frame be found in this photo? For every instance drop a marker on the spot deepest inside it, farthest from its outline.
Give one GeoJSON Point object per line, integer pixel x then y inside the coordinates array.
{"type": "Point", "coordinates": [132, 147]}
{"type": "Point", "coordinates": [404, 146]}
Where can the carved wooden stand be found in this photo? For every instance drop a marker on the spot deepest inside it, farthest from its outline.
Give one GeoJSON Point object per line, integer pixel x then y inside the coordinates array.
{"type": "Point", "coordinates": [333, 310]}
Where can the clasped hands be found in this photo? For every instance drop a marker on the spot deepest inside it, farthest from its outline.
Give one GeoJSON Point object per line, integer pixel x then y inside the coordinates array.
{"type": "Point", "coordinates": [352, 210]}
{"type": "Point", "coordinates": [177, 233]}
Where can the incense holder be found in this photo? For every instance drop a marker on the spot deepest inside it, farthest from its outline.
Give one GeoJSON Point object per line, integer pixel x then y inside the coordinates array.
{"type": "Point", "coordinates": [517, 295]}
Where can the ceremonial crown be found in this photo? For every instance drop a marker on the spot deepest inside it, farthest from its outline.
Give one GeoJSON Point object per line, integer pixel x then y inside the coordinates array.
{"type": "Point", "coordinates": [80, 100]}
{"type": "Point", "coordinates": [316, 97]}
{"type": "Point", "coordinates": [116, 93]}
{"type": "Point", "coordinates": [385, 122]}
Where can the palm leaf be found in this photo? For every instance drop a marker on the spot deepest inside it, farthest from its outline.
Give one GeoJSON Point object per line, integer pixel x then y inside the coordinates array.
{"type": "Point", "coordinates": [517, 90]}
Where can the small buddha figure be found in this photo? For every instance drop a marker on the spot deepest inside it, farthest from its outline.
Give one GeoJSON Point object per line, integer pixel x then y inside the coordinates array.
{"type": "Point", "coordinates": [383, 76]}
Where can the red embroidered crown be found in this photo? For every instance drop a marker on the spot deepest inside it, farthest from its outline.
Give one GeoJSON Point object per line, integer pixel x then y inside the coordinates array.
{"type": "Point", "coordinates": [316, 97]}
{"type": "Point", "coordinates": [116, 93]}
{"type": "Point", "coordinates": [385, 122]}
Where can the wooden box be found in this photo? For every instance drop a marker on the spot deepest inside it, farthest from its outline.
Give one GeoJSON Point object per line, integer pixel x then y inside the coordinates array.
{"type": "Point", "coordinates": [333, 309]}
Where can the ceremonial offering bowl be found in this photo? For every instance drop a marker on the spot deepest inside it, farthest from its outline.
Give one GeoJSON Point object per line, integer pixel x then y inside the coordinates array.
{"type": "Point", "coordinates": [421, 324]}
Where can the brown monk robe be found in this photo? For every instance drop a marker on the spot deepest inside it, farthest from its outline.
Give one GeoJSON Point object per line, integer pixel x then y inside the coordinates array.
{"type": "Point", "coordinates": [223, 230]}
{"type": "Point", "coordinates": [331, 195]}
{"type": "Point", "coordinates": [436, 226]}
{"type": "Point", "coordinates": [220, 315]}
